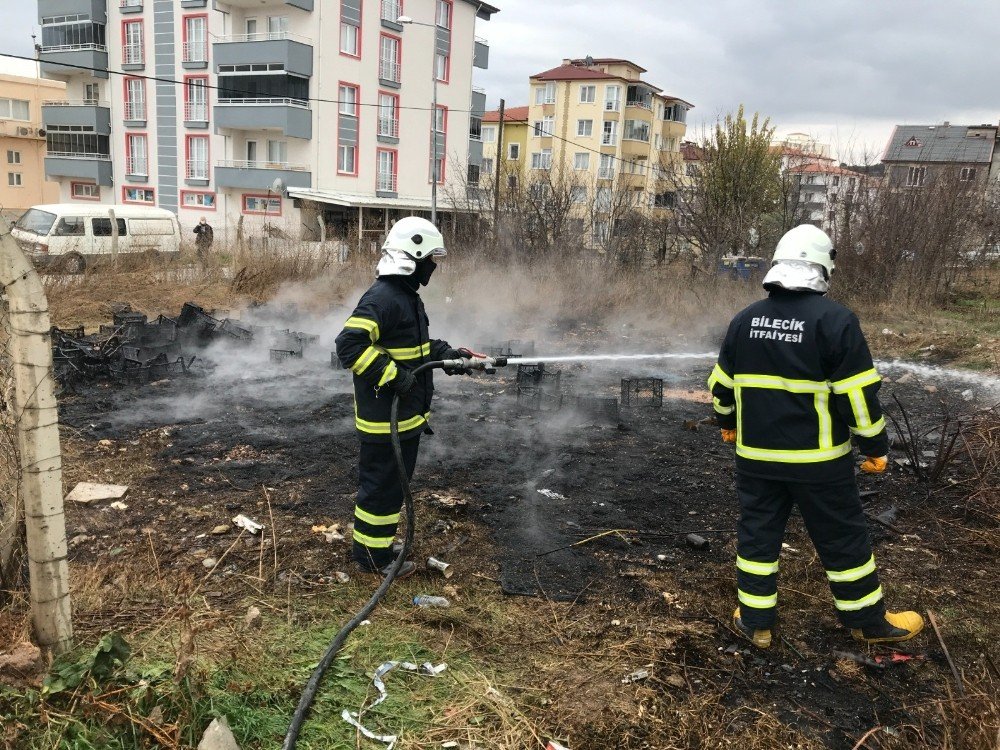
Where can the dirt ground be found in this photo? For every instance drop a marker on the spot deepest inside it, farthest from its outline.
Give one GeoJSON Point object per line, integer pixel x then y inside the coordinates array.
{"type": "Point", "coordinates": [562, 630]}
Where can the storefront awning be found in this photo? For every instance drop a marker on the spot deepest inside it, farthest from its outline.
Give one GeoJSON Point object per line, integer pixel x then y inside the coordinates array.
{"type": "Point", "coordinates": [356, 200]}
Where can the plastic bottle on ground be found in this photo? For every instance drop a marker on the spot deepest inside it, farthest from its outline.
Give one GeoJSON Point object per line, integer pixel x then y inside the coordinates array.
{"type": "Point", "coordinates": [425, 601]}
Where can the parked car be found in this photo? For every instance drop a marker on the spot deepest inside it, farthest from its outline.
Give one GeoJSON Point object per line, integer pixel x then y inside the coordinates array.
{"type": "Point", "coordinates": [69, 237]}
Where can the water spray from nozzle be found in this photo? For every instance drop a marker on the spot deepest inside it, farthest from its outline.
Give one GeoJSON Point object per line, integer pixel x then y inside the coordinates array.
{"type": "Point", "coordinates": [534, 360]}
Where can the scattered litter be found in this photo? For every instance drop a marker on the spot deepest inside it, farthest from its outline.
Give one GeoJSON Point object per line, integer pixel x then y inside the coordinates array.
{"type": "Point", "coordinates": [352, 718]}
{"type": "Point", "coordinates": [788, 548]}
{"type": "Point", "coordinates": [669, 598]}
{"type": "Point", "coordinates": [222, 528]}
{"type": "Point", "coordinates": [661, 558]}
{"type": "Point", "coordinates": [209, 562]}
{"type": "Point", "coordinates": [330, 533]}
{"type": "Point", "coordinates": [637, 676]}
{"type": "Point", "coordinates": [425, 601]}
{"type": "Point", "coordinates": [439, 565]}
{"type": "Point", "coordinates": [218, 736]}
{"type": "Point", "coordinates": [898, 658]}
{"type": "Point", "coordinates": [89, 492]}
{"type": "Point", "coordinates": [697, 542]}
{"type": "Point", "coordinates": [118, 505]}
{"type": "Point", "coordinates": [450, 501]}
{"type": "Point", "coordinates": [551, 495]}
{"type": "Point", "coordinates": [252, 618]}
{"type": "Point", "coordinates": [553, 745]}
{"type": "Point", "coordinates": [248, 523]}
{"type": "Point", "coordinates": [861, 659]}
{"type": "Point", "coordinates": [342, 577]}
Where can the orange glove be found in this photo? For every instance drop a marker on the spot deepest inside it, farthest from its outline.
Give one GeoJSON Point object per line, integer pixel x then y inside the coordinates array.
{"type": "Point", "coordinates": [728, 436]}
{"type": "Point", "coordinates": [875, 464]}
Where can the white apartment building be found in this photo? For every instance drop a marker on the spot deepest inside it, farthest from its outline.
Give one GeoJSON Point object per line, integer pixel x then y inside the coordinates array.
{"type": "Point", "coordinates": [250, 112]}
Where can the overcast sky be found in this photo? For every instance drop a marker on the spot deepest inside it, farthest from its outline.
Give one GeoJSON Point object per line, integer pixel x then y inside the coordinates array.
{"type": "Point", "coordinates": [843, 71]}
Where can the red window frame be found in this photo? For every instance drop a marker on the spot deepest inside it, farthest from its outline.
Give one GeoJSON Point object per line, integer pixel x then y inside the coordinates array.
{"type": "Point", "coordinates": [360, 28]}
{"type": "Point", "coordinates": [187, 156]}
{"type": "Point", "coordinates": [444, 147]}
{"type": "Point", "coordinates": [402, 11]}
{"type": "Point", "coordinates": [142, 25]}
{"type": "Point", "coordinates": [447, 68]}
{"type": "Point", "coordinates": [357, 99]}
{"type": "Point", "coordinates": [126, 188]}
{"type": "Point", "coordinates": [395, 109]}
{"type": "Point", "coordinates": [451, 14]}
{"type": "Point", "coordinates": [128, 150]}
{"type": "Point", "coordinates": [357, 117]}
{"type": "Point", "coordinates": [399, 55]}
{"type": "Point", "coordinates": [125, 99]}
{"type": "Point", "coordinates": [357, 150]}
{"type": "Point", "coordinates": [208, 108]}
{"type": "Point", "coordinates": [214, 207]}
{"type": "Point", "coordinates": [395, 166]}
{"type": "Point", "coordinates": [265, 212]}
{"type": "Point", "coordinates": [184, 34]}
{"type": "Point", "coordinates": [73, 185]}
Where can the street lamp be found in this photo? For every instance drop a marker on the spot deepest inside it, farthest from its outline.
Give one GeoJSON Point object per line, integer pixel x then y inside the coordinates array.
{"type": "Point", "coordinates": [434, 111]}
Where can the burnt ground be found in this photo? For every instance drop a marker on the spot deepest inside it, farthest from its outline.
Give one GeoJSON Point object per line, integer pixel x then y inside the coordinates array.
{"type": "Point", "coordinates": [276, 442]}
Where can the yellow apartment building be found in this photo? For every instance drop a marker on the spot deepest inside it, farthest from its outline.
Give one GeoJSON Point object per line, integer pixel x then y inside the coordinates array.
{"type": "Point", "coordinates": [22, 139]}
{"type": "Point", "coordinates": [511, 153]}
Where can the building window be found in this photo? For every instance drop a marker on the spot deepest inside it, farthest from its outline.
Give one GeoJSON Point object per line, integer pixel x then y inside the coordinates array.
{"type": "Point", "coordinates": [636, 130]}
{"type": "Point", "coordinates": [277, 153]}
{"type": "Point", "coordinates": [136, 162]}
{"type": "Point", "coordinates": [197, 199]}
{"type": "Point", "coordinates": [664, 200]}
{"type": "Point", "coordinates": [392, 10]}
{"type": "Point", "coordinates": [135, 99]}
{"type": "Point", "coordinates": [13, 157]}
{"type": "Point", "coordinates": [585, 128]}
{"type": "Point", "coordinates": [92, 93]}
{"type": "Point", "coordinates": [388, 115]}
{"type": "Point", "coordinates": [612, 98]}
{"type": "Point", "coordinates": [513, 151]}
{"type": "Point", "coordinates": [138, 195]}
{"type": "Point", "coordinates": [277, 27]}
{"type": "Point", "coordinates": [251, 152]}
{"type": "Point", "coordinates": [473, 174]}
{"type": "Point", "coordinates": [444, 14]}
{"type": "Point", "coordinates": [543, 128]}
{"type": "Point", "coordinates": [350, 39]}
{"type": "Point", "coordinates": [264, 205]}
{"type": "Point", "coordinates": [85, 191]}
{"type": "Point", "coordinates": [546, 94]}
{"type": "Point", "coordinates": [385, 171]}
{"type": "Point", "coordinates": [14, 179]}
{"type": "Point", "coordinates": [195, 39]}
{"type": "Point", "coordinates": [609, 136]}
{"type": "Point", "coordinates": [968, 174]}
{"type": "Point", "coordinates": [588, 94]}
{"type": "Point", "coordinates": [75, 140]}
{"type": "Point", "coordinates": [512, 182]}
{"type": "Point", "coordinates": [347, 159]}
{"type": "Point", "coordinates": [133, 51]}
{"type": "Point", "coordinates": [72, 32]}
{"type": "Point", "coordinates": [437, 169]}
{"type": "Point", "coordinates": [197, 157]}
{"type": "Point", "coordinates": [542, 159]}
{"type": "Point", "coordinates": [14, 109]}
{"type": "Point", "coordinates": [581, 161]}
{"type": "Point", "coordinates": [578, 194]}
{"type": "Point", "coordinates": [489, 134]}
{"type": "Point", "coordinates": [389, 58]}
{"type": "Point", "coordinates": [487, 167]}
{"type": "Point", "coordinates": [606, 170]}
{"type": "Point", "coordinates": [196, 99]}
{"type": "Point", "coordinates": [915, 176]}
{"type": "Point", "coordinates": [475, 128]}
{"type": "Point", "coordinates": [348, 97]}
{"type": "Point", "coordinates": [442, 67]}
{"type": "Point", "coordinates": [836, 182]}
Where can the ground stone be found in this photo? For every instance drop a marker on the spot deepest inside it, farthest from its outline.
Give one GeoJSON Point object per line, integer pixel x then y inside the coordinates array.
{"type": "Point", "coordinates": [22, 667]}
{"type": "Point", "coordinates": [218, 736]}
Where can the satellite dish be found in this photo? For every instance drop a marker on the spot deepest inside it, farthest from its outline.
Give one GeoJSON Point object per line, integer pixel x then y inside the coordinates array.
{"type": "Point", "coordinates": [278, 186]}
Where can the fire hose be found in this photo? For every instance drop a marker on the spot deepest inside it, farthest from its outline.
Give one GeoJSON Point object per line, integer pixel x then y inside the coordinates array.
{"type": "Point", "coordinates": [476, 362]}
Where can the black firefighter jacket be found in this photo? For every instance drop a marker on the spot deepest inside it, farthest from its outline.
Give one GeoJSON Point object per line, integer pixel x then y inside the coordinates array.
{"type": "Point", "coordinates": [796, 381]}
{"type": "Point", "coordinates": [386, 333]}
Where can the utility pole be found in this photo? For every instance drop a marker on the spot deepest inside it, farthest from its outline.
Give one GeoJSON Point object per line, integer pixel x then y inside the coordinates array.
{"type": "Point", "coordinates": [434, 139]}
{"type": "Point", "coordinates": [498, 171]}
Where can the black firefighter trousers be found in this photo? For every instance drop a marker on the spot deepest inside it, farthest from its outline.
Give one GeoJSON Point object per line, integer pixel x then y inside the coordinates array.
{"type": "Point", "coordinates": [380, 497]}
{"type": "Point", "coordinates": [835, 521]}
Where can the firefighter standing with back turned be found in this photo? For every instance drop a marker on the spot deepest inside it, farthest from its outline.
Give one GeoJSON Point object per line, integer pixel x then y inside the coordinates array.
{"type": "Point", "coordinates": [382, 341]}
{"type": "Point", "coordinates": [794, 382]}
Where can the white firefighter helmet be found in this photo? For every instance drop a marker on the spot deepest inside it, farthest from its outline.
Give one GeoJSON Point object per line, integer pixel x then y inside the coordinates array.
{"type": "Point", "coordinates": [806, 243]}
{"type": "Point", "coordinates": [410, 240]}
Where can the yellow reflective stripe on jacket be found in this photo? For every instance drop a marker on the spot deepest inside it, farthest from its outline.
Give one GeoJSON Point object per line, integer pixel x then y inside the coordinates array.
{"type": "Point", "coordinates": [718, 376]}
{"type": "Point", "coordinates": [362, 363]}
{"type": "Point", "coordinates": [720, 409]}
{"type": "Point", "coordinates": [413, 352]}
{"type": "Point", "coordinates": [382, 428]}
{"type": "Point", "coordinates": [757, 602]}
{"type": "Point", "coordinates": [781, 384]}
{"type": "Point", "coordinates": [822, 401]}
{"type": "Point", "coordinates": [389, 373]}
{"type": "Point", "coordinates": [847, 605]}
{"type": "Point", "coordinates": [860, 408]}
{"type": "Point", "coordinates": [378, 542]}
{"type": "Point", "coordinates": [365, 324]}
{"type": "Point", "coordinates": [872, 431]}
{"type": "Point", "coordinates": [756, 568]}
{"type": "Point", "coordinates": [809, 456]}
{"type": "Point", "coordinates": [374, 520]}
{"type": "Point", "coordinates": [853, 574]}
{"type": "Point", "coordinates": [868, 377]}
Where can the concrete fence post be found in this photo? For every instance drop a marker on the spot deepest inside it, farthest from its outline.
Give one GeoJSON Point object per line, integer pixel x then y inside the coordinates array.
{"type": "Point", "coordinates": [33, 403]}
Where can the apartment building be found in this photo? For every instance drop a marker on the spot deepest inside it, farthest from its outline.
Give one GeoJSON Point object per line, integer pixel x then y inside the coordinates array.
{"type": "Point", "coordinates": [510, 153]}
{"type": "Point", "coordinates": [22, 138]}
{"type": "Point", "coordinates": [916, 155]}
{"type": "Point", "coordinates": [298, 114]}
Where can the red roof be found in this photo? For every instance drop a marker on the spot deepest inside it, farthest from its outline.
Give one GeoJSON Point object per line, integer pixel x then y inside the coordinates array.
{"type": "Point", "coordinates": [610, 61]}
{"type": "Point", "coordinates": [572, 73]}
{"type": "Point", "coordinates": [510, 114]}
{"type": "Point", "coordinates": [824, 169]}
{"type": "Point", "coordinates": [692, 151]}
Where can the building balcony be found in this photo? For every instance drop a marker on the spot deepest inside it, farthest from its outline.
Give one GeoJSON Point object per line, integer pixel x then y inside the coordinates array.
{"type": "Point", "coordinates": [195, 115]}
{"type": "Point", "coordinates": [606, 173]}
{"type": "Point", "coordinates": [88, 112]}
{"type": "Point", "coordinates": [260, 175]}
{"type": "Point", "coordinates": [388, 127]}
{"type": "Point", "coordinates": [130, 6]}
{"type": "Point", "coordinates": [385, 185]}
{"type": "Point", "coordinates": [95, 10]}
{"type": "Point", "coordinates": [481, 54]}
{"type": "Point", "coordinates": [645, 104]}
{"type": "Point", "coordinates": [478, 101]}
{"type": "Point", "coordinates": [53, 60]}
{"type": "Point", "coordinates": [91, 167]}
{"type": "Point", "coordinates": [261, 4]}
{"type": "Point", "coordinates": [295, 53]}
{"type": "Point", "coordinates": [389, 14]}
{"type": "Point", "coordinates": [293, 117]}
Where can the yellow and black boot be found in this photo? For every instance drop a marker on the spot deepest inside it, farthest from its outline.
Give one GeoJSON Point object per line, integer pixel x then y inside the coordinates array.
{"type": "Point", "coordinates": [896, 627]}
{"type": "Point", "coordinates": [759, 638]}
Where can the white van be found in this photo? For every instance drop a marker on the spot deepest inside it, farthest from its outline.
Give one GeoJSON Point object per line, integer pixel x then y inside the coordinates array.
{"type": "Point", "coordinates": [69, 236]}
